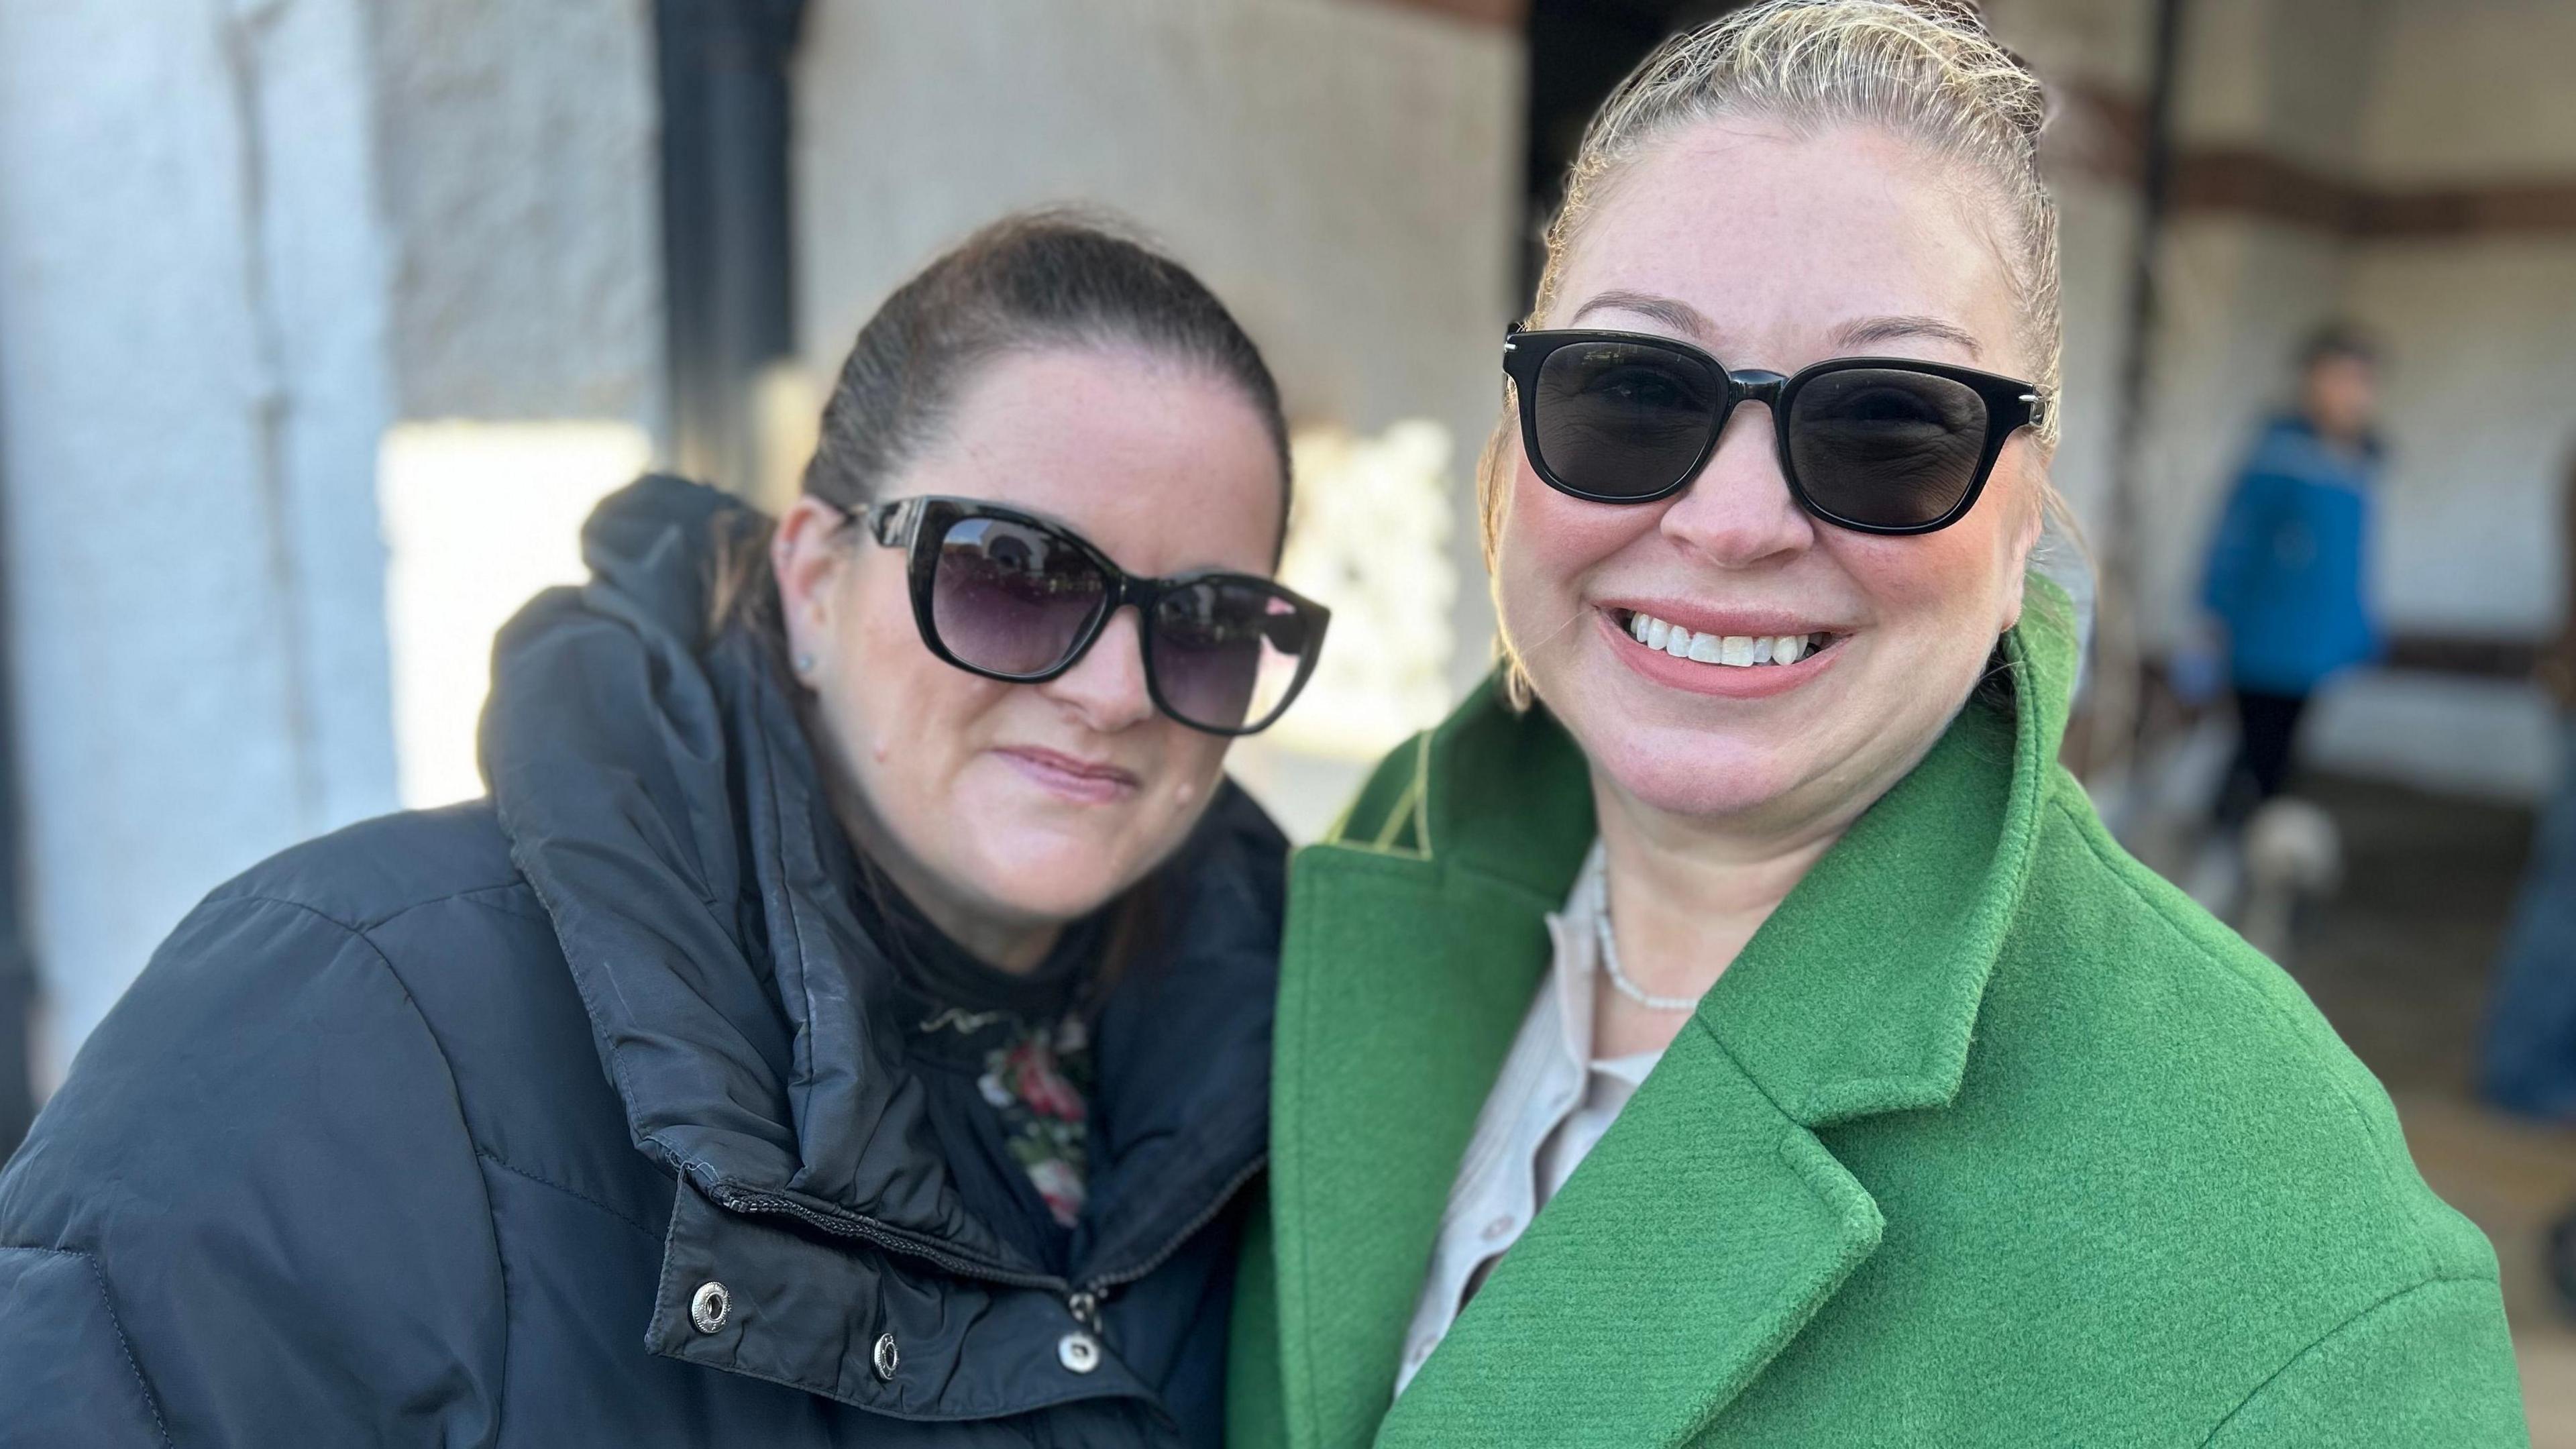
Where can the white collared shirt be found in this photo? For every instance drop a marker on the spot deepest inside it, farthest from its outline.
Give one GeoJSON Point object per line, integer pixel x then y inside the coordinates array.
{"type": "Point", "coordinates": [1549, 1106]}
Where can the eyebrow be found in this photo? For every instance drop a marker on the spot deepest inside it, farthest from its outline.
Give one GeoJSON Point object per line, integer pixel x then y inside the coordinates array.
{"type": "Point", "coordinates": [1678, 315]}
{"type": "Point", "coordinates": [1683, 317]}
{"type": "Point", "coordinates": [1889, 329]}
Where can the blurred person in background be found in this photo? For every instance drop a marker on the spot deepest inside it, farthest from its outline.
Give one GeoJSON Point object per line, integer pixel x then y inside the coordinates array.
{"type": "Point", "coordinates": [2528, 1060]}
{"type": "Point", "coordinates": [846, 1023]}
{"type": "Point", "coordinates": [2285, 580]}
{"type": "Point", "coordinates": [1734, 1006]}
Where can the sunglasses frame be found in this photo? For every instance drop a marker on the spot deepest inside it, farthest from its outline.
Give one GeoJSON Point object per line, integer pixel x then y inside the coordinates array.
{"type": "Point", "coordinates": [901, 522]}
{"type": "Point", "coordinates": [2011, 405]}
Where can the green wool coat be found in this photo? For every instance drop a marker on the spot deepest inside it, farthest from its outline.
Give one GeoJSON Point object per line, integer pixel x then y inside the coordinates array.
{"type": "Point", "coordinates": [1989, 1137]}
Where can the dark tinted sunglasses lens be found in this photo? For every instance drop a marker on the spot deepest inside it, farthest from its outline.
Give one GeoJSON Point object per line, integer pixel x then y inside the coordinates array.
{"type": "Point", "coordinates": [1228, 653]}
{"type": "Point", "coordinates": [1622, 420]}
{"type": "Point", "coordinates": [1010, 598]}
{"type": "Point", "coordinates": [1886, 447]}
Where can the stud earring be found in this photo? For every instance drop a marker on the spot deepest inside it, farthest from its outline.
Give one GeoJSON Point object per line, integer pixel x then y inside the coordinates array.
{"type": "Point", "coordinates": [804, 666]}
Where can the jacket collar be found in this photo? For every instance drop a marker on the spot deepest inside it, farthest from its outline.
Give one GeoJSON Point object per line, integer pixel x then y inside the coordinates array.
{"type": "Point", "coordinates": [1859, 996]}
{"type": "Point", "coordinates": [660, 797]}
{"type": "Point", "coordinates": [1913, 933]}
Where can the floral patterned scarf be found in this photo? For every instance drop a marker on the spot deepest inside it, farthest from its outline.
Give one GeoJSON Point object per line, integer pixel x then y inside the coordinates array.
{"type": "Point", "coordinates": [1031, 1033]}
{"type": "Point", "coordinates": [1041, 1084]}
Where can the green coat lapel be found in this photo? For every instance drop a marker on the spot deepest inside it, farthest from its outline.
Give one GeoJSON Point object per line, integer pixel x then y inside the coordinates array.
{"type": "Point", "coordinates": [1650, 1292]}
{"type": "Point", "coordinates": [1710, 1224]}
{"type": "Point", "coordinates": [1414, 965]}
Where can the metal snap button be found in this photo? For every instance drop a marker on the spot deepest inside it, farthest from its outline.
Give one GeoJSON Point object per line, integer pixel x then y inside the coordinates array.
{"type": "Point", "coordinates": [1078, 1352]}
{"type": "Point", "coordinates": [887, 1359]}
{"type": "Point", "coordinates": [709, 1305]}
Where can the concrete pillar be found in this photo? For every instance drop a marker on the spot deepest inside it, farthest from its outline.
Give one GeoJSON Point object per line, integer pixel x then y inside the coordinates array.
{"type": "Point", "coordinates": [248, 249]}
{"type": "Point", "coordinates": [193, 379]}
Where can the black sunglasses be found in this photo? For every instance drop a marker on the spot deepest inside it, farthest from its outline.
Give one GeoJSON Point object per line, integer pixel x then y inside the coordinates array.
{"type": "Point", "coordinates": [1011, 596]}
{"type": "Point", "coordinates": [1877, 444]}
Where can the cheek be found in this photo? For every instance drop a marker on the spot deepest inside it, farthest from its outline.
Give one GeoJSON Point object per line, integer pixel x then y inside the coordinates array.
{"type": "Point", "coordinates": [1960, 578]}
{"type": "Point", "coordinates": [1549, 542]}
{"type": "Point", "coordinates": [1938, 600]}
{"type": "Point", "coordinates": [1191, 761]}
{"type": "Point", "coordinates": [893, 698]}
{"type": "Point", "coordinates": [1906, 579]}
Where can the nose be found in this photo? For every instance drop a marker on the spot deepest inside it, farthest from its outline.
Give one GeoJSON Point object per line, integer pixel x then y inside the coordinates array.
{"type": "Point", "coordinates": [1738, 513]}
{"type": "Point", "coordinates": [1106, 688]}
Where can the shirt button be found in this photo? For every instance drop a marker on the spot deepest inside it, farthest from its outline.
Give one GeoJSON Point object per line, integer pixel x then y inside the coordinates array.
{"type": "Point", "coordinates": [1498, 1229]}
{"type": "Point", "coordinates": [1078, 1352]}
{"type": "Point", "coordinates": [709, 1305]}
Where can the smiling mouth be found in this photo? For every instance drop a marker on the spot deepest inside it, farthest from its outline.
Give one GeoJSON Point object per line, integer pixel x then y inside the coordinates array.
{"type": "Point", "coordinates": [1725, 651]}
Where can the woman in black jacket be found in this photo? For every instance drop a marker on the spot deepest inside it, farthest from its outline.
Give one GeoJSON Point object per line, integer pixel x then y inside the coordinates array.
{"type": "Point", "coordinates": [847, 1022]}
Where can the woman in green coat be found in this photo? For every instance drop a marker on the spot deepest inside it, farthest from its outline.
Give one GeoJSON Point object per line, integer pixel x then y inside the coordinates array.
{"type": "Point", "coordinates": [1732, 1027]}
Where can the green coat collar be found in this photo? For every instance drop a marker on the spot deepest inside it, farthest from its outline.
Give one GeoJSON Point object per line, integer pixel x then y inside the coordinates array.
{"type": "Point", "coordinates": [1416, 937]}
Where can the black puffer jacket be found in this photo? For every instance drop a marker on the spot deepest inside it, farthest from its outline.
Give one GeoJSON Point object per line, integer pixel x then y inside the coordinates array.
{"type": "Point", "coordinates": [435, 1131]}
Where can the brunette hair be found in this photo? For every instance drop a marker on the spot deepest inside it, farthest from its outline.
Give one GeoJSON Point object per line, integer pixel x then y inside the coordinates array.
{"type": "Point", "coordinates": [1031, 281]}
{"type": "Point", "coordinates": [1028, 282]}
{"type": "Point", "coordinates": [2338, 341]}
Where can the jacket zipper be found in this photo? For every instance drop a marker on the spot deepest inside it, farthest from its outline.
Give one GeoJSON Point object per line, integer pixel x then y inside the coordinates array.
{"type": "Point", "coordinates": [1088, 1298]}
{"type": "Point", "coordinates": [1083, 1302]}
{"type": "Point", "coordinates": [848, 1225]}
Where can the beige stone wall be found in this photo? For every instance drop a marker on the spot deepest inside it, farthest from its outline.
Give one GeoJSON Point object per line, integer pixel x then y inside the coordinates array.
{"type": "Point", "coordinates": [2482, 417]}
{"type": "Point", "coordinates": [519, 176]}
{"type": "Point", "coordinates": [1344, 174]}
{"type": "Point", "coordinates": [2482, 409]}
{"type": "Point", "coordinates": [2471, 89]}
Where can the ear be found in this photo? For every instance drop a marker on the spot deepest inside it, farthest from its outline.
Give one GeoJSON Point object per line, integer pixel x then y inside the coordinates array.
{"type": "Point", "coordinates": [2025, 538]}
{"type": "Point", "coordinates": [807, 553]}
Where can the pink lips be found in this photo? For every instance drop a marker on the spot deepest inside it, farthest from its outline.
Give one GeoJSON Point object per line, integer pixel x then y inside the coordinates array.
{"type": "Point", "coordinates": [1761, 682]}
{"type": "Point", "coordinates": [1087, 782]}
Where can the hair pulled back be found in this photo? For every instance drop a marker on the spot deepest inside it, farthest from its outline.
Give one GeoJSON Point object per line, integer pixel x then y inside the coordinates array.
{"type": "Point", "coordinates": [1031, 281]}
{"type": "Point", "coordinates": [1924, 71]}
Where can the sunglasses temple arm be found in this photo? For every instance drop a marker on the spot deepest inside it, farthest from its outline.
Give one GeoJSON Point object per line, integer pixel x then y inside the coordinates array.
{"type": "Point", "coordinates": [892, 524]}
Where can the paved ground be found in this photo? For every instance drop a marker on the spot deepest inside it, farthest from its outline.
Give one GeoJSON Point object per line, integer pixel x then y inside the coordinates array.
{"type": "Point", "coordinates": [2399, 962]}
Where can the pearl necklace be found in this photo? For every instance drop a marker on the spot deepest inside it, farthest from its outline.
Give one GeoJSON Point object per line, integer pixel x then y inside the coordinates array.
{"type": "Point", "coordinates": [1610, 956]}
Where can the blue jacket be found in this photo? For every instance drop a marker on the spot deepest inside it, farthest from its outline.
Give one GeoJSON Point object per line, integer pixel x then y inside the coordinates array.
{"type": "Point", "coordinates": [441, 1130]}
{"type": "Point", "coordinates": [2285, 571]}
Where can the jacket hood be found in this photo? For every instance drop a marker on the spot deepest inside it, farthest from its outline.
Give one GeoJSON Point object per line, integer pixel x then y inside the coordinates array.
{"type": "Point", "coordinates": [661, 798]}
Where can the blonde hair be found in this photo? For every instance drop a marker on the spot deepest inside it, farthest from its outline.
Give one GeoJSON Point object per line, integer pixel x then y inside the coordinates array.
{"type": "Point", "coordinates": [1925, 71]}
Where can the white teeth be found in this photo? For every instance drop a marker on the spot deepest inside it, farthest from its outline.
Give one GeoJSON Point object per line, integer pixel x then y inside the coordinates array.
{"type": "Point", "coordinates": [1731, 650]}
